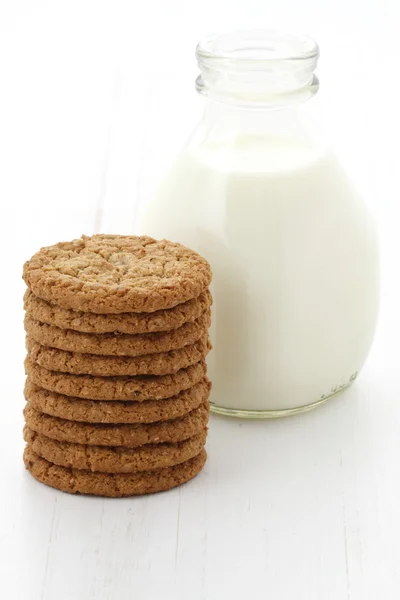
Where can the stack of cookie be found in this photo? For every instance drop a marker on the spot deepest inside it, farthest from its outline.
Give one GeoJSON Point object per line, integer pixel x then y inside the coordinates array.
{"type": "Point", "coordinates": [117, 389]}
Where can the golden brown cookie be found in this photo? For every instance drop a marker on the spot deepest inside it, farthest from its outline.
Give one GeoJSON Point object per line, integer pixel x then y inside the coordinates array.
{"type": "Point", "coordinates": [144, 387]}
{"type": "Point", "coordinates": [74, 481]}
{"type": "Point", "coordinates": [114, 459]}
{"type": "Point", "coordinates": [130, 436]}
{"type": "Point", "coordinates": [117, 274]}
{"type": "Point", "coordinates": [163, 363]}
{"type": "Point", "coordinates": [116, 344]}
{"type": "Point", "coordinates": [131, 323]}
{"type": "Point", "coordinates": [96, 411]}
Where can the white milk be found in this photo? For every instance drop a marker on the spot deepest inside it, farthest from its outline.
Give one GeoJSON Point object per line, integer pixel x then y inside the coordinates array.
{"type": "Point", "coordinates": [295, 268]}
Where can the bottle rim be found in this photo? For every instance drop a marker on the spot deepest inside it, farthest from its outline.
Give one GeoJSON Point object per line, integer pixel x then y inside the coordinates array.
{"type": "Point", "coordinates": [258, 46]}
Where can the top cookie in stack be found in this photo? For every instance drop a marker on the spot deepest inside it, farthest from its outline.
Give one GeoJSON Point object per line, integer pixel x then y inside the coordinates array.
{"type": "Point", "coordinates": [117, 390]}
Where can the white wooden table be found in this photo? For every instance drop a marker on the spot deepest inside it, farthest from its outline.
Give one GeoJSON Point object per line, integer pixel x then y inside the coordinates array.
{"type": "Point", "coordinates": [96, 97]}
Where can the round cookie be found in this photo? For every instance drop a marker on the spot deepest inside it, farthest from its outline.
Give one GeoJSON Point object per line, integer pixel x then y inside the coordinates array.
{"type": "Point", "coordinates": [130, 436]}
{"type": "Point", "coordinates": [116, 344]}
{"type": "Point", "coordinates": [96, 411]}
{"type": "Point", "coordinates": [131, 323]}
{"type": "Point", "coordinates": [119, 485]}
{"type": "Point", "coordinates": [116, 459]}
{"type": "Point", "coordinates": [163, 363]}
{"type": "Point", "coordinates": [115, 274]}
{"type": "Point", "coordinates": [144, 387]}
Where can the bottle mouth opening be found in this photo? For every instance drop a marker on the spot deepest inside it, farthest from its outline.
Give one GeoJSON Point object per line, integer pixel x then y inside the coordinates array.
{"type": "Point", "coordinates": [260, 67]}
{"type": "Point", "coordinates": [259, 46]}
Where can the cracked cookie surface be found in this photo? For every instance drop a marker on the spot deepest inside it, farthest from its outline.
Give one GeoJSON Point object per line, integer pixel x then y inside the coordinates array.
{"type": "Point", "coordinates": [117, 274]}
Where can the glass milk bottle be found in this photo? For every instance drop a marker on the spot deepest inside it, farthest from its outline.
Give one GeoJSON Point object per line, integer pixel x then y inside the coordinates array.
{"type": "Point", "coordinates": [291, 243]}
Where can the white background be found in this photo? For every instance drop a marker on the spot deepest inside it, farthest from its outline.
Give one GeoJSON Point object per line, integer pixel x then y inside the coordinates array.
{"type": "Point", "coordinates": [95, 99]}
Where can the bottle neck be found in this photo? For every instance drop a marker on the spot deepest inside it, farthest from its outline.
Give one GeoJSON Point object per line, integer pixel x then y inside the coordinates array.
{"type": "Point", "coordinates": [223, 119]}
{"type": "Point", "coordinates": [255, 70]}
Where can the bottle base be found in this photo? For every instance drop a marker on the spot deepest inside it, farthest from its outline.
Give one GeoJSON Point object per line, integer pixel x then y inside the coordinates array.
{"type": "Point", "coordinates": [273, 414]}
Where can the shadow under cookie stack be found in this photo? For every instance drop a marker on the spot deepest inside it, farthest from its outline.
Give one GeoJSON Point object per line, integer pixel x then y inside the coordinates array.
{"type": "Point", "coordinates": [117, 389]}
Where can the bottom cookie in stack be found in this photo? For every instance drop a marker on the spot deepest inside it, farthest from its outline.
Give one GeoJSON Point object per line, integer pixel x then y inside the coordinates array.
{"type": "Point", "coordinates": [115, 448]}
{"type": "Point", "coordinates": [115, 485]}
